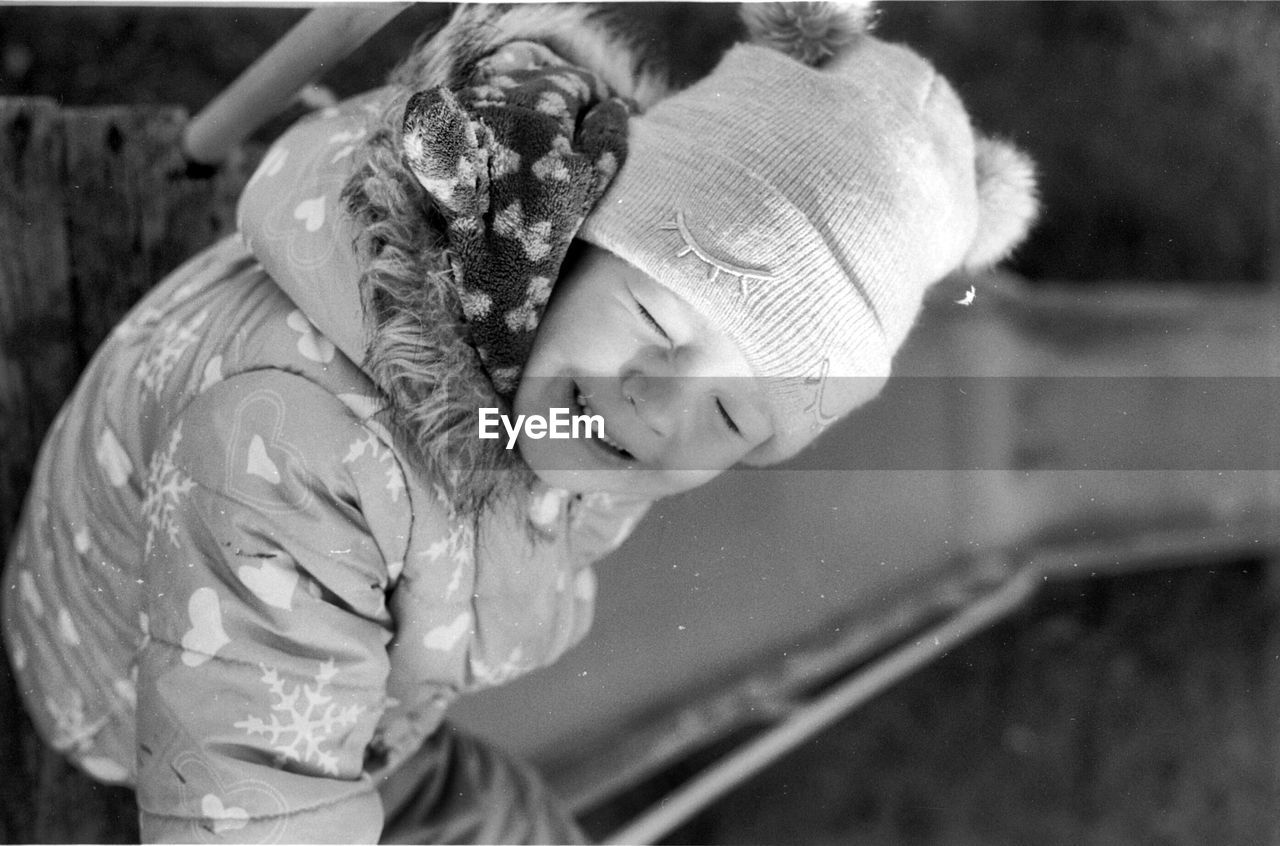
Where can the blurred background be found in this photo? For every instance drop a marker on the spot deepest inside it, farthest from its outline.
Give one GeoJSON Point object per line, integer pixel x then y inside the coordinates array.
{"type": "Point", "coordinates": [1155, 123]}
{"type": "Point", "coordinates": [1125, 709]}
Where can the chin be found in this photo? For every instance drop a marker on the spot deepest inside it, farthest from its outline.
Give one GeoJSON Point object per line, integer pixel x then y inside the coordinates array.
{"type": "Point", "coordinates": [646, 484]}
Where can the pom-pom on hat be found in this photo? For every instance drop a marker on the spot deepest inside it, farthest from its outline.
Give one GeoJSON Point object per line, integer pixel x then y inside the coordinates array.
{"type": "Point", "coordinates": [804, 195]}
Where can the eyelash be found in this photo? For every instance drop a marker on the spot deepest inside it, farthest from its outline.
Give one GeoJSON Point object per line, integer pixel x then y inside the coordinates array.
{"type": "Point", "coordinates": [649, 318]}
{"type": "Point", "coordinates": [727, 419]}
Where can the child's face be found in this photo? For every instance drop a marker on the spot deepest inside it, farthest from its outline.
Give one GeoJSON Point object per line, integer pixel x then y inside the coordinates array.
{"type": "Point", "coordinates": [678, 399]}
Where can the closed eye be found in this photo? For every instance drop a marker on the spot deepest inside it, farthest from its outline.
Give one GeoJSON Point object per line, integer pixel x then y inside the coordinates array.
{"type": "Point", "coordinates": [653, 323]}
{"type": "Point", "coordinates": [724, 413]}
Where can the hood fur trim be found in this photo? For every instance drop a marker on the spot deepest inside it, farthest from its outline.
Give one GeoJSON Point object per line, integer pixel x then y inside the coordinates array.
{"type": "Point", "coordinates": [594, 36]}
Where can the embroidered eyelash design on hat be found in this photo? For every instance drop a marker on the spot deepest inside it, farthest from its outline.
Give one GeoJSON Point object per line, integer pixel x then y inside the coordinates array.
{"type": "Point", "coordinates": [717, 265]}
{"type": "Point", "coordinates": [821, 419]}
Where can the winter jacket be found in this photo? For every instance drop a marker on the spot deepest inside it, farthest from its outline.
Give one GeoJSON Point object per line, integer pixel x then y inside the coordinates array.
{"type": "Point", "coordinates": [231, 586]}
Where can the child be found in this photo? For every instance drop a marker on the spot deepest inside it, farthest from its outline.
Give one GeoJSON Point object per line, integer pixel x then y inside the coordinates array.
{"type": "Point", "coordinates": [287, 549]}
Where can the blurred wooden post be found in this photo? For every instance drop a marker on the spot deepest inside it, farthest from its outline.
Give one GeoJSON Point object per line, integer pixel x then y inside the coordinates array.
{"type": "Point", "coordinates": [325, 36]}
{"type": "Point", "coordinates": [95, 206]}
{"type": "Point", "coordinates": [36, 369]}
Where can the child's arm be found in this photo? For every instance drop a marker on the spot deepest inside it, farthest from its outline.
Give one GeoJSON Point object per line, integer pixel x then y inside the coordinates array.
{"type": "Point", "coordinates": [264, 677]}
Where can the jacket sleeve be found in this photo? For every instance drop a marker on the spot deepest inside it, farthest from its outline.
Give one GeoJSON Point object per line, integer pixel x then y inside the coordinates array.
{"type": "Point", "coordinates": [273, 519]}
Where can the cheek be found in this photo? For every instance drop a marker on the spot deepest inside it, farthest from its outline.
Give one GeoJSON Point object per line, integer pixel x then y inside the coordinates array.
{"type": "Point", "coordinates": [561, 349]}
{"type": "Point", "coordinates": [528, 398]}
{"type": "Point", "coordinates": [708, 450]}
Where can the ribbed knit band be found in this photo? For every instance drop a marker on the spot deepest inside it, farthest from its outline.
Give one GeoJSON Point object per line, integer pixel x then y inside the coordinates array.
{"type": "Point", "coordinates": [803, 212]}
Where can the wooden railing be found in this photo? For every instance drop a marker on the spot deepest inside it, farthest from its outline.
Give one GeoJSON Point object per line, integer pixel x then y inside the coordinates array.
{"type": "Point", "coordinates": [96, 204]}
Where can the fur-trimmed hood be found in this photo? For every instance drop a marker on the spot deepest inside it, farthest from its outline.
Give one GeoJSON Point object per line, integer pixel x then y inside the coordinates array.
{"type": "Point", "coordinates": [340, 224]}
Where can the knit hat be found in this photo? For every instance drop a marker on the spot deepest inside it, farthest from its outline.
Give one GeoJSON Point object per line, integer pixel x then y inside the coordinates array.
{"type": "Point", "coordinates": [804, 208]}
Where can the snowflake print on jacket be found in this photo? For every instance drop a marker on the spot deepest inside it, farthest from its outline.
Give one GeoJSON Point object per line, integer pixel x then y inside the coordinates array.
{"type": "Point", "coordinates": [165, 488]}
{"type": "Point", "coordinates": [310, 718]}
{"type": "Point", "coordinates": [176, 338]}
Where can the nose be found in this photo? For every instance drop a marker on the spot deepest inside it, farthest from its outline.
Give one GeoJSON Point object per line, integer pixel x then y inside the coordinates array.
{"type": "Point", "coordinates": [659, 400]}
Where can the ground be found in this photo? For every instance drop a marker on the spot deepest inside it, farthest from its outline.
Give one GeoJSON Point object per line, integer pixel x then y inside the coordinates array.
{"type": "Point", "coordinates": [1154, 123]}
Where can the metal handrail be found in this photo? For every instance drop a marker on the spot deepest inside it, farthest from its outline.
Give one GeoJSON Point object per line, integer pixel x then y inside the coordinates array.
{"type": "Point", "coordinates": [825, 710]}
{"type": "Point", "coordinates": [325, 36]}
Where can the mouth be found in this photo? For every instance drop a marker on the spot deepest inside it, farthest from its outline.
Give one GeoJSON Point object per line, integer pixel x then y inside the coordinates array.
{"type": "Point", "coordinates": [602, 440]}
